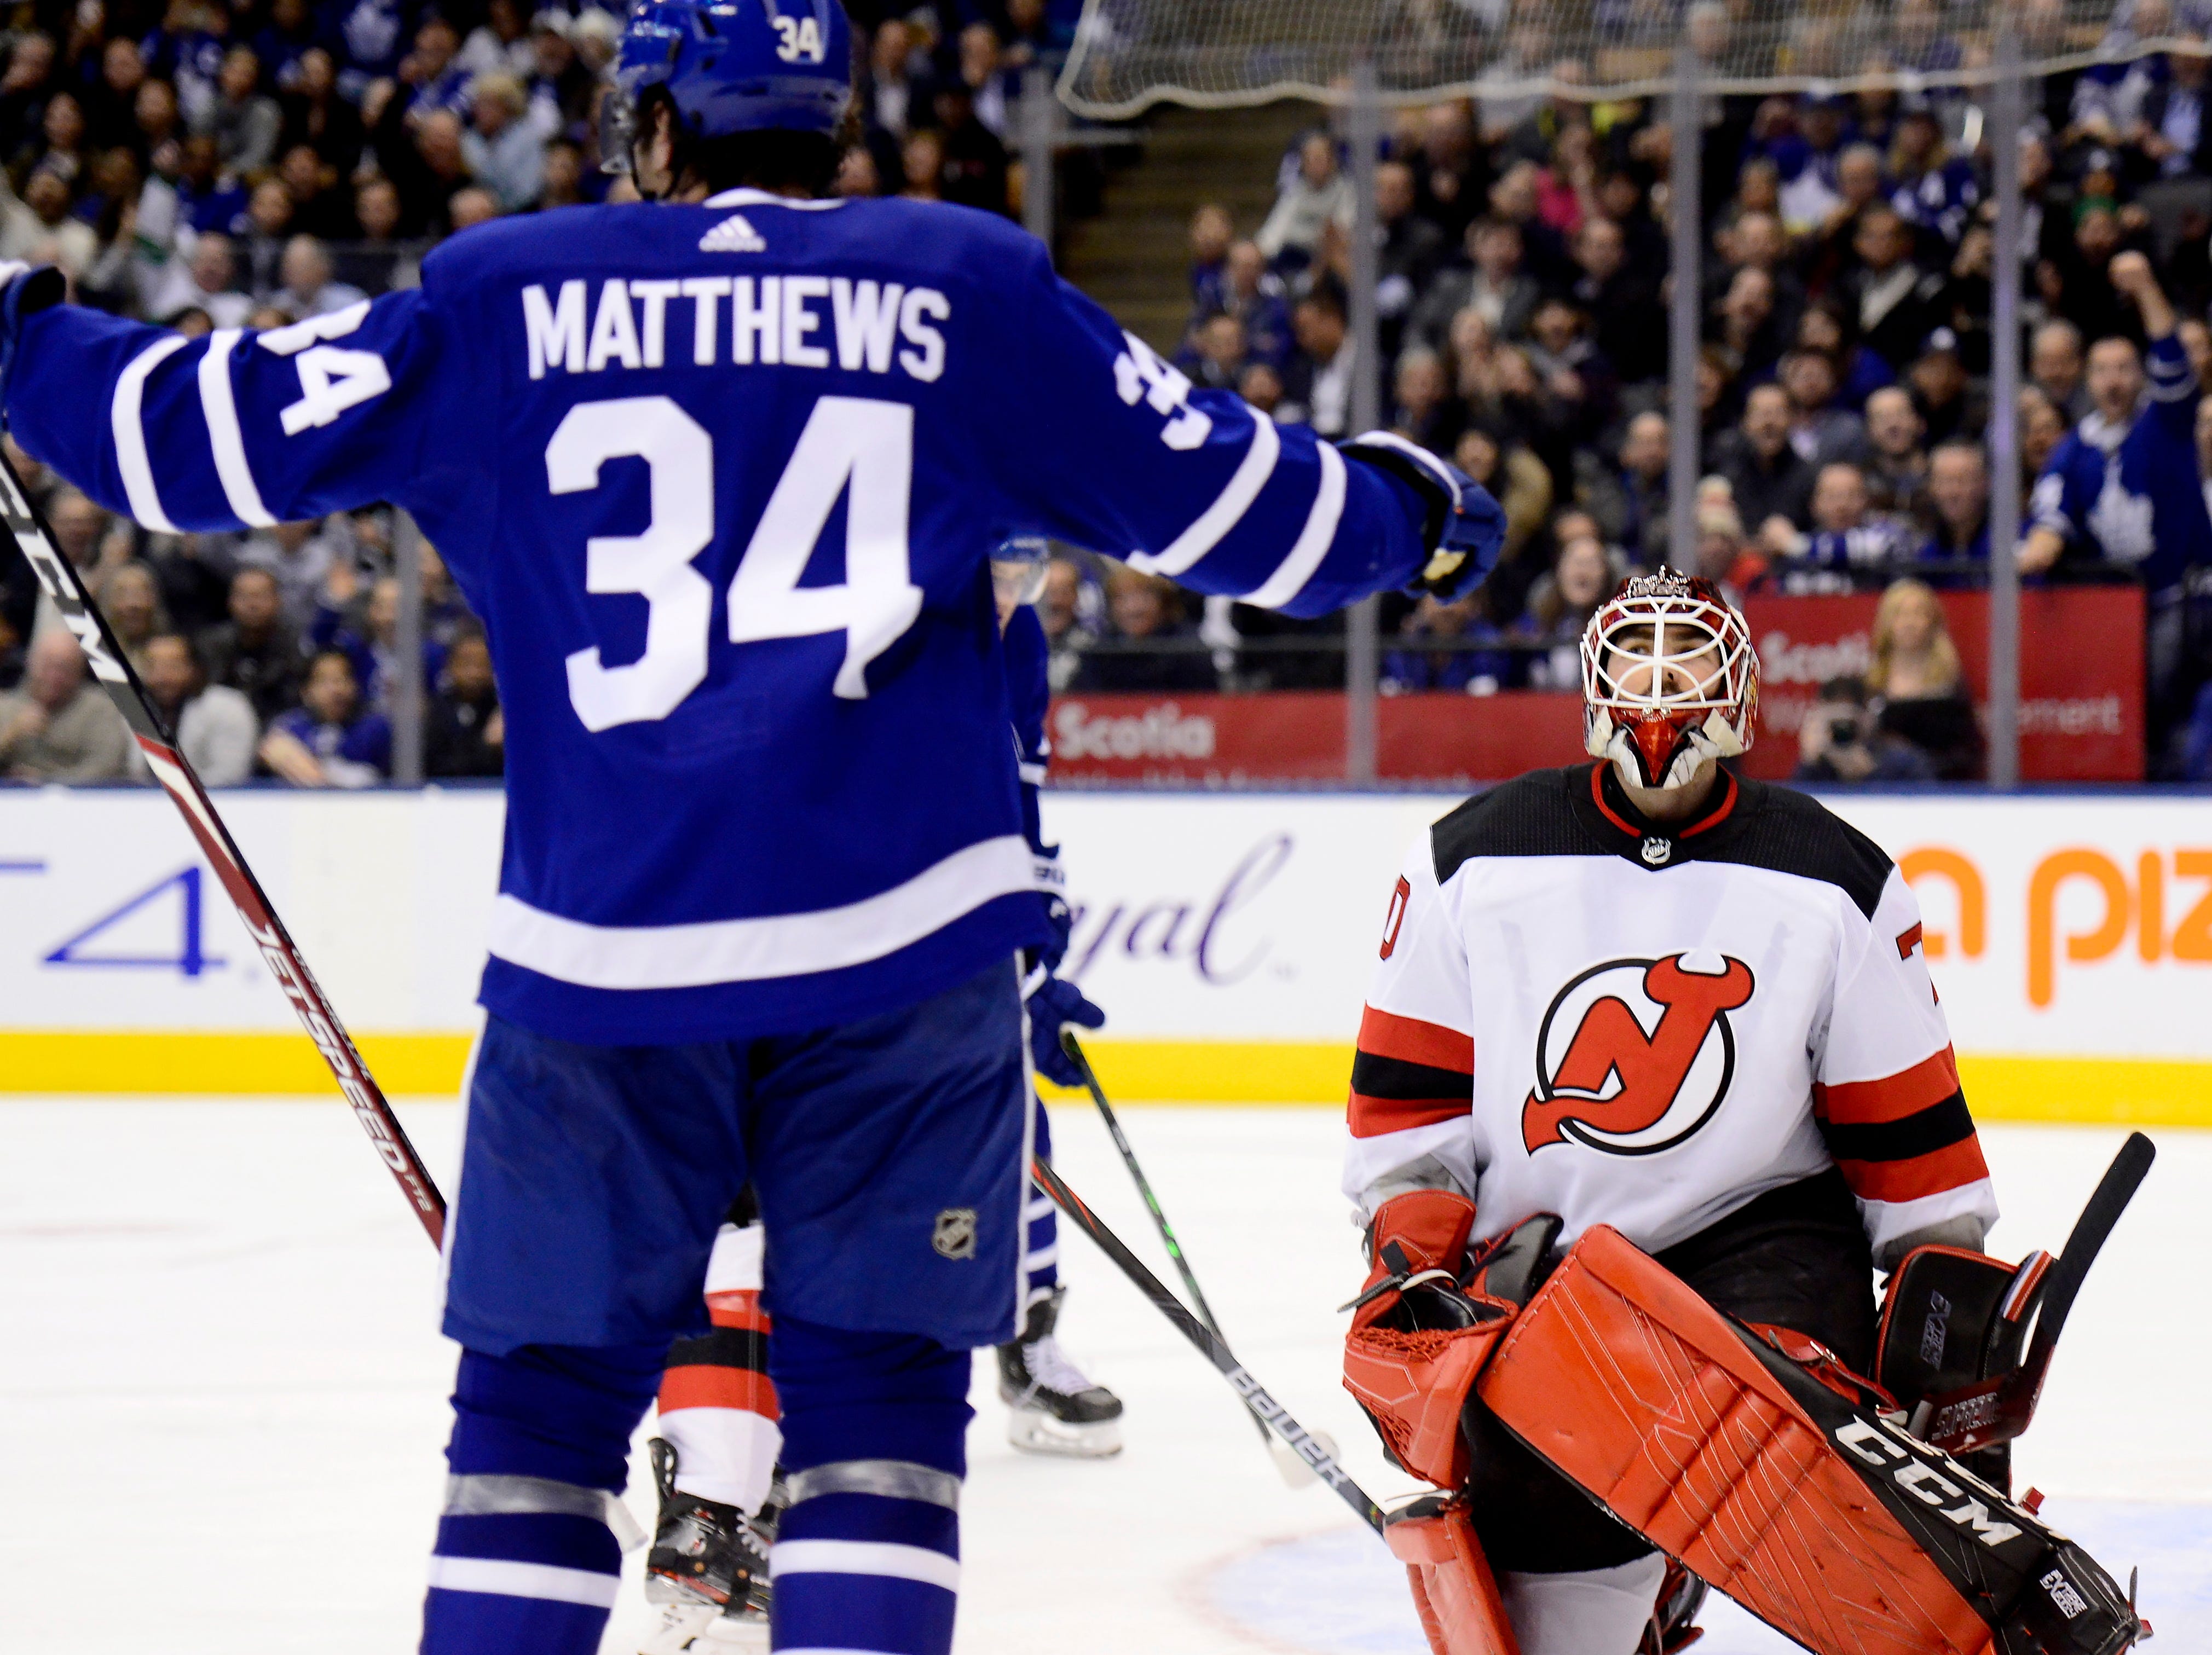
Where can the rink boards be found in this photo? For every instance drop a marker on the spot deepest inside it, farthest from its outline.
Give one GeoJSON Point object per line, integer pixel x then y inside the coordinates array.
{"type": "Point", "coordinates": [1228, 936]}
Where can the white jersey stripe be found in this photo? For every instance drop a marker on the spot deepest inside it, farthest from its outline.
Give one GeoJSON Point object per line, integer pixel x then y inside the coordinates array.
{"type": "Point", "coordinates": [754, 950]}
{"type": "Point", "coordinates": [1291, 575]}
{"type": "Point", "coordinates": [505, 1577]}
{"type": "Point", "coordinates": [219, 408]}
{"type": "Point", "coordinates": [1228, 509]}
{"type": "Point", "coordinates": [880, 1557]}
{"type": "Point", "coordinates": [124, 415]}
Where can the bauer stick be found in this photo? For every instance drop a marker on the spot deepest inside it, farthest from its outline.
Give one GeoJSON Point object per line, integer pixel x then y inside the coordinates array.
{"type": "Point", "coordinates": [1996, 1410]}
{"type": "Point", "coordinates": [1295, 1470]}
{"type": "Point", "coordinates": [1272, 1415]}
{"type": "Point", "coordinates": [27, 529]}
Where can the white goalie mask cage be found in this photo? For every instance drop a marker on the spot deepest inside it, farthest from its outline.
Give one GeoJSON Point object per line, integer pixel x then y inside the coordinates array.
{"type": "Point", "coordinates": [1670, 681]}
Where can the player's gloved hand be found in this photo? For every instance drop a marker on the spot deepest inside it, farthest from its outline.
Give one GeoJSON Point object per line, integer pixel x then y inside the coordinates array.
{"type": "Point", "coordinates": [1420, 1234]}
{"type": "Point", "coordinates": [1466, 528]}
{"type": "Point", "coordinates": [24, 291]}
{"type": "Point", "coordinates": [1054, 1003]}
{"type": "Point", "coordinates": [1051, 889]}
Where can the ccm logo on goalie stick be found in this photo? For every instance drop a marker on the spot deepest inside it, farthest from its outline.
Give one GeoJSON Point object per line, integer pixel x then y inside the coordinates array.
{"type": "Point", "coordinates": [1257, 1399]}
{"type": "Point", "coordinates": [1870, 1446]}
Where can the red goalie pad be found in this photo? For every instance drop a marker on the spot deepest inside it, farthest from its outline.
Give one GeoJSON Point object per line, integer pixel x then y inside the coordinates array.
{"type": "Point", "coordinates": [1453, 1591]}
{"type": "Point", "coordinates": [1777, 1482]}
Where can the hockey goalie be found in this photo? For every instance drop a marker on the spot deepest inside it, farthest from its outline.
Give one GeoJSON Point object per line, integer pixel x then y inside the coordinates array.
{"type": "Point", "coordinates": [1651, 1082]}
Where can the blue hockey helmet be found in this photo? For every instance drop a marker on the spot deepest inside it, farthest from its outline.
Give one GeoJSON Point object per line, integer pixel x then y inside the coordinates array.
{"type": "Point", "coordinates": [732, 66]}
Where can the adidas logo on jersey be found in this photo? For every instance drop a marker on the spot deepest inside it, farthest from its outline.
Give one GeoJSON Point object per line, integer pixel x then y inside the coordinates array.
{"type": "Point", "coordinates": [732, 235]}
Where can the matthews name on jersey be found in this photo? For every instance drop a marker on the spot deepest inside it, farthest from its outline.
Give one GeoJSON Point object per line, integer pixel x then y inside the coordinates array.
{"type": "Point", "coordinates": [1650, 1028]}
{"type": "Point", "coordinates": [709, 473]}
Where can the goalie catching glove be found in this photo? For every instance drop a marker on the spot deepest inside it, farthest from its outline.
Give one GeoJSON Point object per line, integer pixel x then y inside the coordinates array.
{"type": "Point", "coordinates": [1427, 1319]}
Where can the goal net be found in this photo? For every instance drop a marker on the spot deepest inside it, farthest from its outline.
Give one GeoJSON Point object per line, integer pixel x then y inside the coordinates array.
{"type": "Point", "coordinates": [1130, 54]}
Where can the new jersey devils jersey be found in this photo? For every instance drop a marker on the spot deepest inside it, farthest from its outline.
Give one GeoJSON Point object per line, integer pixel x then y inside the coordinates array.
{"type": "Point", "coordinates": [1647, 1028]}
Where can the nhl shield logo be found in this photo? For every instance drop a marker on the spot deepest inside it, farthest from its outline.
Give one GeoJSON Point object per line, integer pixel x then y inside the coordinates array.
{"type": "Point", "coordinates": [1657, 852]}
{"type": "Point", "coordinates": [1634, 1056]}
{"type": "Point", "coordinates": [955, 1235]}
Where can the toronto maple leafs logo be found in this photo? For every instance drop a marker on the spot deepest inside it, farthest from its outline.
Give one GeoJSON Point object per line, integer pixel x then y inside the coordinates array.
{"type": "Point", "coordinates": [2121, 520]}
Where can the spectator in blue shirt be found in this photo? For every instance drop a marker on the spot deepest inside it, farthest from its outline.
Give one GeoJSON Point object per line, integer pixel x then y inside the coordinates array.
{"type": "Point", "coordinates": [1959, 492]}
{"type": "Point", "coordinates": [328, 740]}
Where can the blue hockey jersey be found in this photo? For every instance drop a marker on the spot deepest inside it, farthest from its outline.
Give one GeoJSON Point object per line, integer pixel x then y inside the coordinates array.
{"type": "Point", "coordinates": [2132, 491]}
{"type": "Point", "coordinates": [720, 481]}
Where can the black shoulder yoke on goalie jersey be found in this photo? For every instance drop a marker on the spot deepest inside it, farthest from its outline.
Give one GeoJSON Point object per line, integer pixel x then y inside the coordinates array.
{"type": "Point", "coordinates": [1577, 811]}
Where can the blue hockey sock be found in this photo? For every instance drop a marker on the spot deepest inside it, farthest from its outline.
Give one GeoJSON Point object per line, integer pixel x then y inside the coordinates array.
{"type": "Point", "coordinates": [874, 1447]}
{"type": "Point", "coordinates": [1040, 1242]}
{"type": "Point", "coordinates": [524, 1560]}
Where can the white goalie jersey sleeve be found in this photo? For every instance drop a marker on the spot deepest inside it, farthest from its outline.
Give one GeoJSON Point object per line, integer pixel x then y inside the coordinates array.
{"type": "Point", "coordinates": [1413, 1079]}
{"type": "Point", "coordinates": [1887, 1092]}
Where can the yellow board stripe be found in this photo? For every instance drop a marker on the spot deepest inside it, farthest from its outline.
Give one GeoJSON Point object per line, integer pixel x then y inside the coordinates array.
{"type": "Point", "coordinates": [269, 1063]}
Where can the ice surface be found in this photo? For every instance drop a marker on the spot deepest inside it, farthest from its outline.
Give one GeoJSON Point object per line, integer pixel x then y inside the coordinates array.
{"type": "Point", "coordinates": [222, 1396]}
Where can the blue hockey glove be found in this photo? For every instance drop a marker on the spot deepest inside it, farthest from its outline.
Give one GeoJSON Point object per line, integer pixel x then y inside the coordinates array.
{"type": "Point", "coordinates": [1466, 528]}
{"type": "Point", "coordinates": [23, 292]}
{"type": "Point", "coordinates": [1054, 1003]}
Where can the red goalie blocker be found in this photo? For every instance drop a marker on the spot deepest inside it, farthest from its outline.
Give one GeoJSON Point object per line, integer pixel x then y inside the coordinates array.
{"type": "Point", "coordinates": [1780, 1483]}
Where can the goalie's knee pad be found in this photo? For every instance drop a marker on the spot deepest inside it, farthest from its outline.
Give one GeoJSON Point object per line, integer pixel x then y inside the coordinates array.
{"type": "Point", "coordinates": [1781, 1480]}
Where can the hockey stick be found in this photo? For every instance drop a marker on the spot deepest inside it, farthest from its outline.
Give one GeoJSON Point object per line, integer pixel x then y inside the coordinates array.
{"type": "Point", "coordinates": [1271, 1413]}
{"type": "Point", "coordinates": [1295, 1471]}
{"type": "Point", "coordinates": [105, 656]}
{"type": "Point", "coordinates": [1998, 1409]}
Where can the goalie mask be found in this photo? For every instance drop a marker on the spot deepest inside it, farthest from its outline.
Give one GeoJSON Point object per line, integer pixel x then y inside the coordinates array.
{"type": "Point", "coordinates": [1669, 679]}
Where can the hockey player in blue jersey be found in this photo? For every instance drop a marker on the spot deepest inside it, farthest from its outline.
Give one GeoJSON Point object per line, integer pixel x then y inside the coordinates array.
{"type": "Point", "coordinates": [715, 1457]}
{"type": "Point", "coordinates": [721, 475]}
{"type": "Point", "coordinates": [2124, 485]}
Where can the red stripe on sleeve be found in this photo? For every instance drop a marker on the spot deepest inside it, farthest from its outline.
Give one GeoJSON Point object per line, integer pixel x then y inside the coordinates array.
{"type": "Point", "coordinates": [1409, 1039]}
{"type": "Point", "coordinates": [704, 1385]}
{"type": "Point", "coordinates": [1876, 1103]}
{"type": "Point", "coordinates": [1952, 1168]}
{"type": "Point", "coordinates": [1373, 1117]}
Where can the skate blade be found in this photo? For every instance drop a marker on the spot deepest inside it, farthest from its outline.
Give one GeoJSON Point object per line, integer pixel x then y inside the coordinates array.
{"type": "Point", "coordinates": [1296, 1472]}
{"type": "Point", "coordinates": [1035, 1431]}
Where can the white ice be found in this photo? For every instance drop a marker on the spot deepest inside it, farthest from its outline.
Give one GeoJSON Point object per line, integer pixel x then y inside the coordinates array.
{"type": "Point", "coordinates": [223, 1395]}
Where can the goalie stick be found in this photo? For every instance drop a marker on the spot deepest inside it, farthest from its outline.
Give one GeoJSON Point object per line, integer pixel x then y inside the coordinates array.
{"type": "Point", "coordinates": [1271, 1413]}
{"type": "Point", "coordinates": [1998, 1409]}
{"type": "Point", "coordinates": [1295, 1470]}
{"type": "Point", "coordinates": [105, 656]}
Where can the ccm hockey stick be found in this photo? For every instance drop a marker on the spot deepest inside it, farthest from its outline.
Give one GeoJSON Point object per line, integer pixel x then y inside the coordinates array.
{"type": "Point", "coordinates": [1270, 1413]}
{"type": "Point", "coordinates": [105, 656]}
{"type": "Point", "coordinates": [1295, 1470]}
{"type": "Point", "coordinates": [1998, 1409]}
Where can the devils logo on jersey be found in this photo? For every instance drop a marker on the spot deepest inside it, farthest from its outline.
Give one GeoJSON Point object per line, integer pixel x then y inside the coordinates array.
{"type": "Point", "coordinates": [1634, 1056]}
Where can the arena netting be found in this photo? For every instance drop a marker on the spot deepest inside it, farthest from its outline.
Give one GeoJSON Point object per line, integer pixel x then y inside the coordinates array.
{"type": "Point", "coordinates": [1130, 54]}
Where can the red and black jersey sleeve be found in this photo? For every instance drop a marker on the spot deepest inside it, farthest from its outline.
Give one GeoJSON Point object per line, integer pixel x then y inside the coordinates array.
{"type": "Point", "coordinates": [1413, 1076]}
{"type": "Point", "coordinates": [1887, 1098]}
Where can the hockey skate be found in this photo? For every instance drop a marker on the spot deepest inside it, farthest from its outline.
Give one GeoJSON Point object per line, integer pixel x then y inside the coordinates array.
{"type": "Point", "coordinates": [707, 1570]}
{"type": "Point", "coordinates": [1055, 1408]}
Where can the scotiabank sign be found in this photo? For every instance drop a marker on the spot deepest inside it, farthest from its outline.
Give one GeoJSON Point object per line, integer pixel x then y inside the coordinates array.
{"type": "Point", "coordinates": [2080, 673]}
{"type": "Point", "coordinates": [2081, 711]}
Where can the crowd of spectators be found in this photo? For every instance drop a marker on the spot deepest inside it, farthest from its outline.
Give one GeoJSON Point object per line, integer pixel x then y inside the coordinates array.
{"type": "Point", "coordinates": [1524, 251]}
{"type": "Point", "coordinates": [206, 164]}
